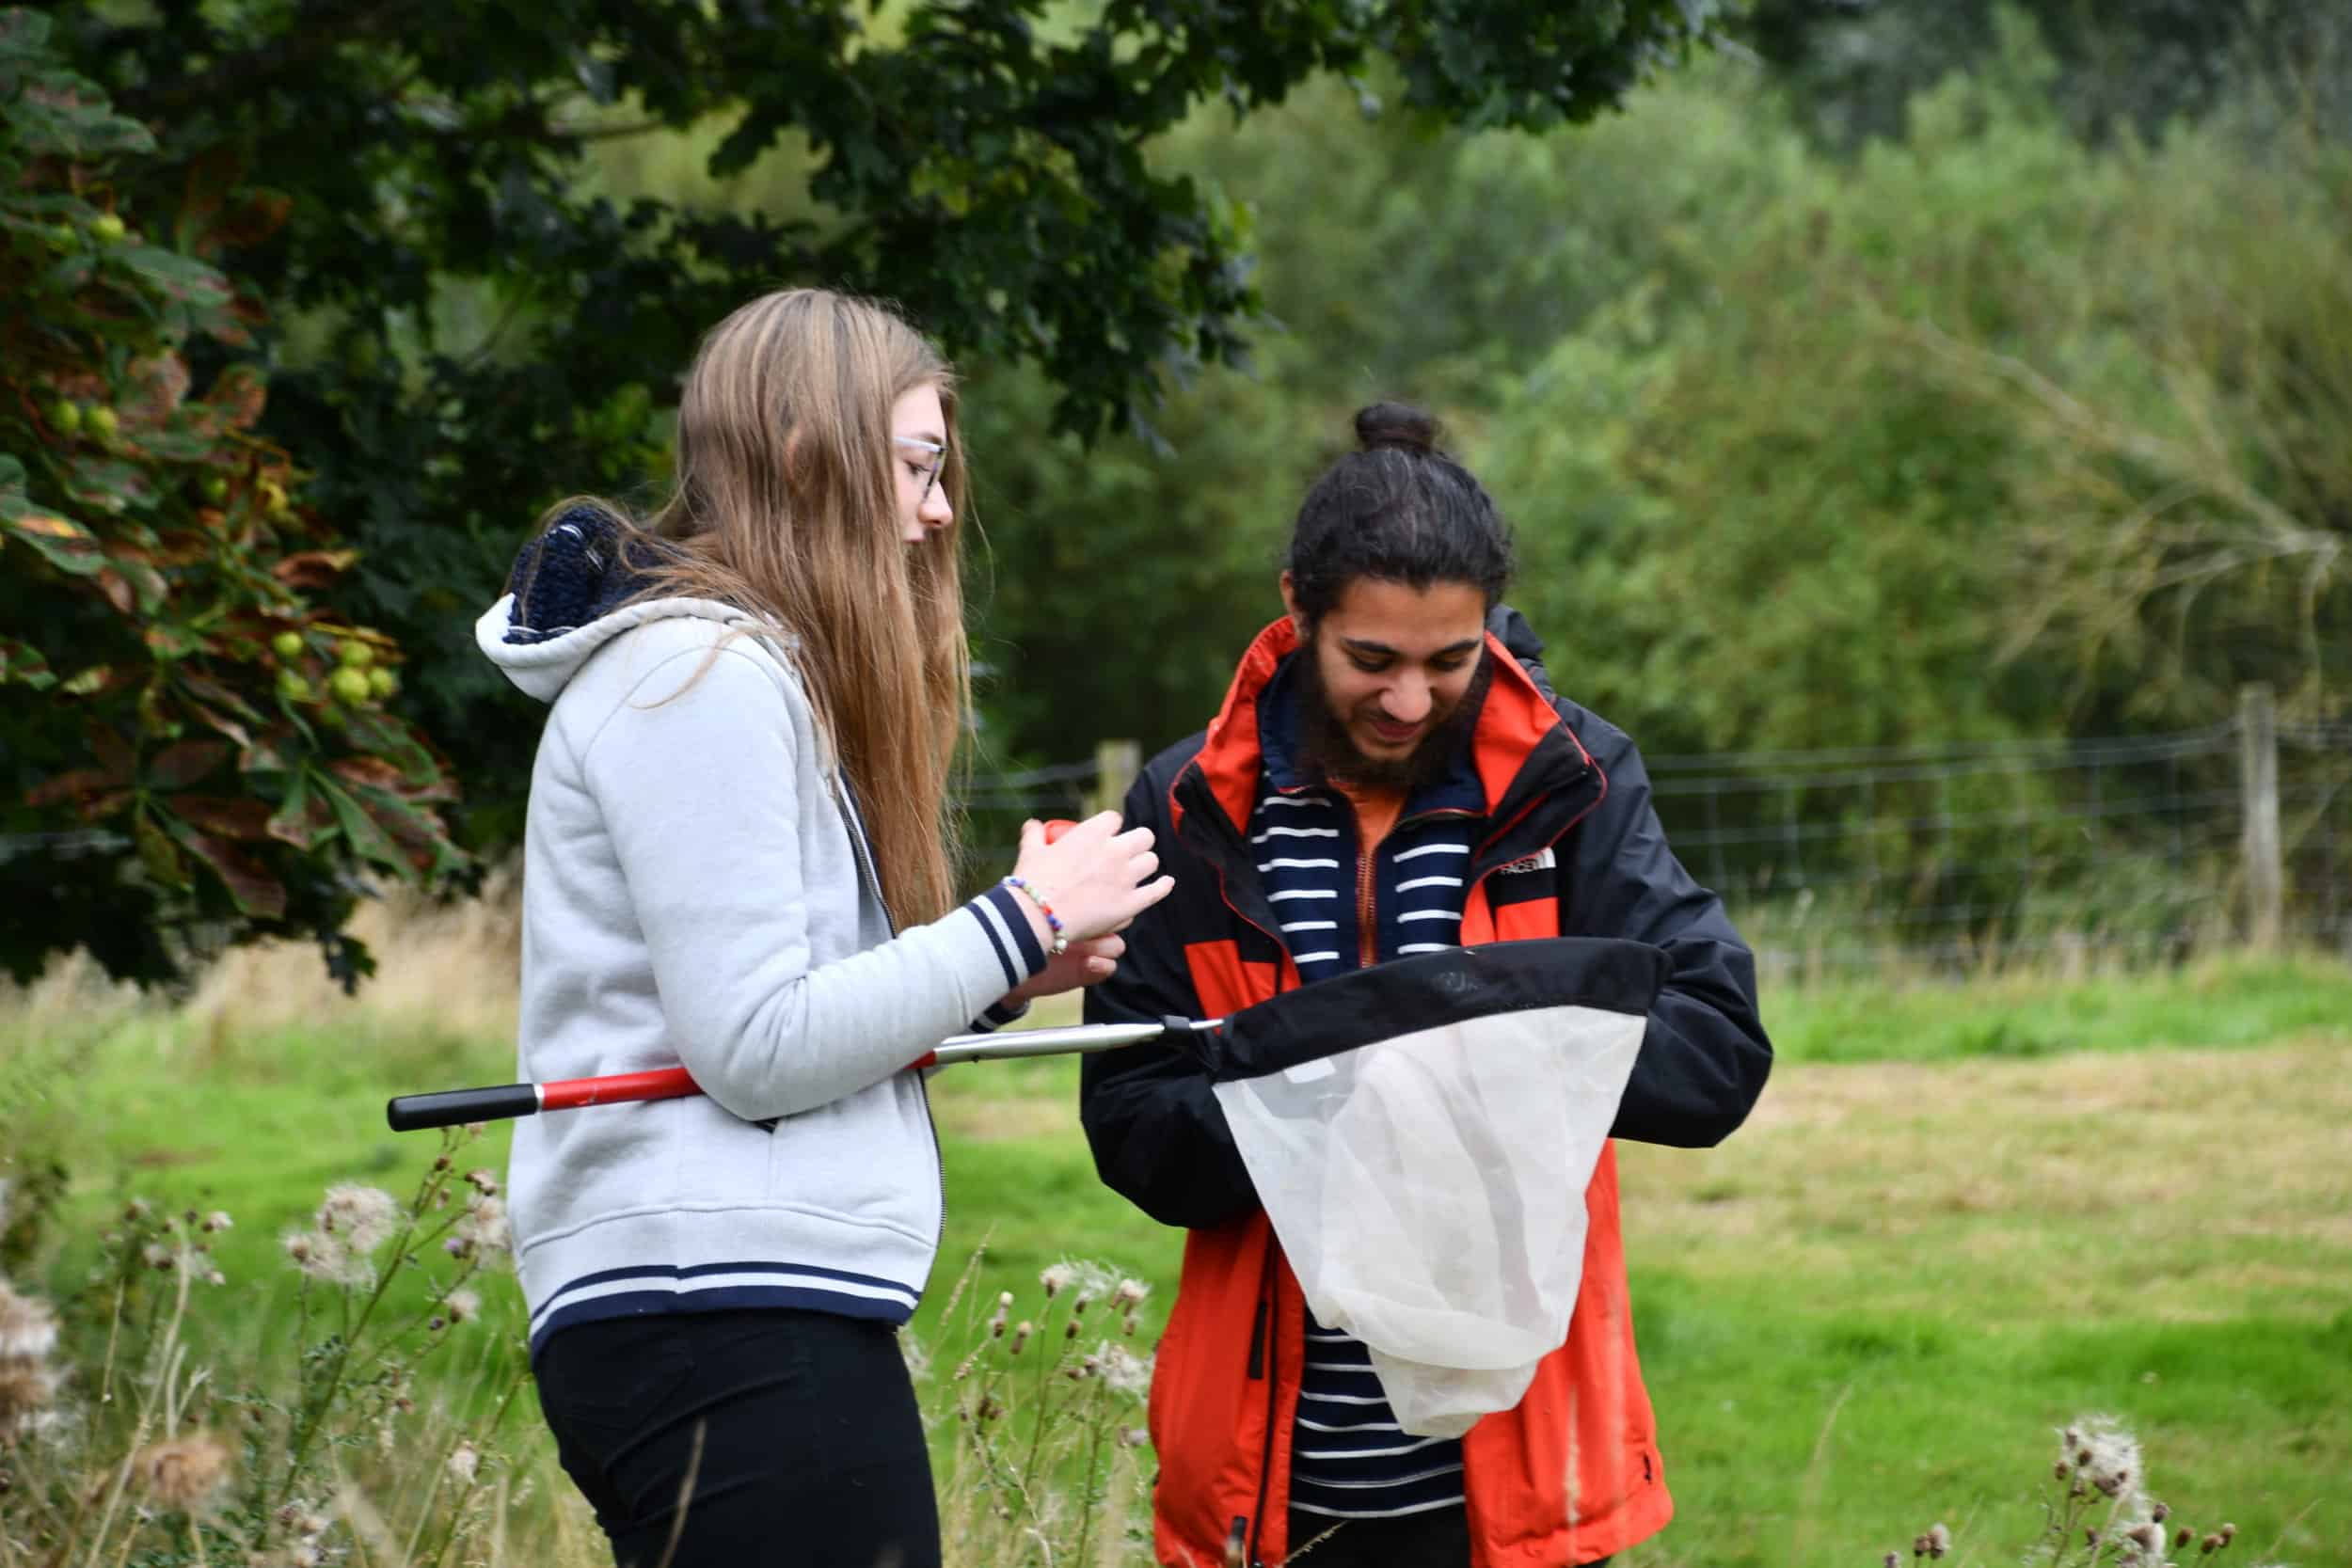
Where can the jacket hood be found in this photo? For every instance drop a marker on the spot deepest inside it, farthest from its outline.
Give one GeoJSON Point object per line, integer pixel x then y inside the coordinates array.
{"type": "Point", "coordinates": [568, 594]}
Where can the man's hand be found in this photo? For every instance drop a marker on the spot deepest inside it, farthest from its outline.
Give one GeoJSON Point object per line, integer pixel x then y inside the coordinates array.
{"type": "Point", "coordinates": [1087, 963]}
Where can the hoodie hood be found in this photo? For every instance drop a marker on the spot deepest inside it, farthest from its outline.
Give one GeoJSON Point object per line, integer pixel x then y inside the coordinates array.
{"type": "Point", "coordinates": [570, 594]}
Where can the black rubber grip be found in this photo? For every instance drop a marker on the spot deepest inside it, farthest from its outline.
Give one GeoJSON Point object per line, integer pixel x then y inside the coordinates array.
{"type": "Point", "coordinates": [413, 1112]}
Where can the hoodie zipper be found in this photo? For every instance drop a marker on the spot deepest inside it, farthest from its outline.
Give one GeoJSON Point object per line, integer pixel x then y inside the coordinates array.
{"type": "Point", "coordinates": [873, 884]}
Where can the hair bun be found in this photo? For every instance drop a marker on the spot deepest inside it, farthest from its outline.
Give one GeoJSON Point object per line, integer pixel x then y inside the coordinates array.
{"type": "Point", "coordinates": [1395, 424]}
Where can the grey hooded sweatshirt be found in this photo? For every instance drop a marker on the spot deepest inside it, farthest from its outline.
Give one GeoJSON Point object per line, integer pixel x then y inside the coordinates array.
{"type": "Point", "coordinates": [697, 890]}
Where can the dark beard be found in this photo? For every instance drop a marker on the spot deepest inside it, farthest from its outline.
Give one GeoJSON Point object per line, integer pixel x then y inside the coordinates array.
{"type": "Point", "coordinates": [1332, 754]}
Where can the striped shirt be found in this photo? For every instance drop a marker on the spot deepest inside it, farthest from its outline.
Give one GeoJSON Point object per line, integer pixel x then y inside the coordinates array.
{"type": "Point", "coordinates": [1339, 908]}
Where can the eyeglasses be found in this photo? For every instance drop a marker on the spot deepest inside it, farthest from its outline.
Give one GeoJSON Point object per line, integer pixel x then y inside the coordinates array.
{"type": "Point", "coordinates": [930, 471]}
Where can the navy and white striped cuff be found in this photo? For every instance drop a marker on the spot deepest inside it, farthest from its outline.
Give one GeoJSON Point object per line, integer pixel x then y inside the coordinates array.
{"type": "Point", "coordinates": [999, 1016]}
{"type": "Point", "coordinates": [1000, 914]}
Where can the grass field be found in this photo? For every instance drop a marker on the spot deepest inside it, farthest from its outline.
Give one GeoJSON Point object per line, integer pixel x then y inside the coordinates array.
{"type": "Point", "coordinates": [1959, 1219]}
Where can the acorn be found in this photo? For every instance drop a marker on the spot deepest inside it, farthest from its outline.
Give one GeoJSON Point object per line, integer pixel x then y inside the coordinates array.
{"type": "Point", "coordinates": [293, 686]}
{"type": "Point", "coordinates": [355, 654]}
{"type": "Point", "coordinates": [287, 645]}
{"type": "Point", "coordinates": [101, 421]}
{"type": "Point", "coordinates": [66, 415]}
{"type": "Point", "coordinates": [383, 684]}
{"type": "Point", "coordinates": [107, 227]}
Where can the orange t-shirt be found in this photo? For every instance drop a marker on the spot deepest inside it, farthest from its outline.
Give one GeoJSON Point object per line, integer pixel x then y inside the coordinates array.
{"type": "Point", "coordinates": [1377, 811]}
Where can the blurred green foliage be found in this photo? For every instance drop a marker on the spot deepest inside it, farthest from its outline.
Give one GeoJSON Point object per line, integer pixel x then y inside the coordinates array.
{"type": "Point", "coordinates": [192, 753]}
{"type": "Point", "coordinates": [484, 313]}
{"type": "Point", "coordinates": [1982, 433]}
{"type": "Point", "coordinates": [2013, 410]}
{"type": "Point", "coordinates": [1979, 434]}
{"type": "Point", "coordinates": [1851, 68]}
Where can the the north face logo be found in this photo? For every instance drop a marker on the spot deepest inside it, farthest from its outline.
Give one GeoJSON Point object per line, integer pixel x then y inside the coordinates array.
{"type": "Point", "coordinates": [1542, 860]}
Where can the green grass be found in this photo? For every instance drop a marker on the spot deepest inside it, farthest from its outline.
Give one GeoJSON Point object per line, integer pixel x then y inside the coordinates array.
{"type": "Point", "coordinates": [2226, 1000]}
{"type": "Point", "coordinates": [1959, 1219]}
{"type": "Point", "coordinates": [1970, 1255]}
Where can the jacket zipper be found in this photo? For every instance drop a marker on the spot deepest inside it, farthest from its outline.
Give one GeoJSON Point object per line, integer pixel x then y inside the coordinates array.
{"type": "Point", "coordinates": [1367, 946]}
{"type": "Point", "coordinates": [1224, 891]}
{"type": "Point", "coordinates": [1263, 1360]}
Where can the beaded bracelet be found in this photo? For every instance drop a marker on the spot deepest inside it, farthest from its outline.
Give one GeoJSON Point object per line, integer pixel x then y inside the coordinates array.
{"type": "Point", "coordinates": [1060, 944]}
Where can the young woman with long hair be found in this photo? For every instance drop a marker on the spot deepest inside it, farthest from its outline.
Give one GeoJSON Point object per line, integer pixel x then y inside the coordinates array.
{"type": "Point", "coordinates": [737, 858]}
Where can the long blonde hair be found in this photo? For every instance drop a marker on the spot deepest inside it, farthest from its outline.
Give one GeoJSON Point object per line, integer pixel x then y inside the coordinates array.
{"type": "Point", "coordinates": [786, 503]}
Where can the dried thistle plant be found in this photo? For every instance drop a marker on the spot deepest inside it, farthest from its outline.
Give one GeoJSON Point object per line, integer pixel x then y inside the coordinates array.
{"type": "Point", "coordinates": [145, 1454]}
{"type": "Point", "coordinates": [2097, 1512]}
{"type": "Point", "coordinates": [1047, 1425]}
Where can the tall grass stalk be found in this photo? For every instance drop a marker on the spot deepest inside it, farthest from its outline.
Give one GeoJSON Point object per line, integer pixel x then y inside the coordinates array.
{"type": "Point", "coordinates": [177, 1452]}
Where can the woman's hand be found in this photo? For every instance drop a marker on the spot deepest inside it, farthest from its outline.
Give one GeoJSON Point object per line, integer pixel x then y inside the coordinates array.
{"type": "Point", "coordinates": [1087, 963]}
{"type": "Point", "coordinates": [1095, 877]}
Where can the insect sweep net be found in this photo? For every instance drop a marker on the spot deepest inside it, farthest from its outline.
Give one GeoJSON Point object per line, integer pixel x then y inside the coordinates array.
{"type": "Point", "coordinates": [1422, 1133]}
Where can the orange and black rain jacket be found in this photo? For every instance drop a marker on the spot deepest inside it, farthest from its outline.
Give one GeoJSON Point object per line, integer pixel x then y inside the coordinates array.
{"type": "Point", "coordinates": [1572, 1474]}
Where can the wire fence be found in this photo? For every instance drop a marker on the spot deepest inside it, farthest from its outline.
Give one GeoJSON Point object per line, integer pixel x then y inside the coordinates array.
{"type": "Point", "coordinates": [1946, 859]}
{"type": "Point", "coordinates": [1957, 858]}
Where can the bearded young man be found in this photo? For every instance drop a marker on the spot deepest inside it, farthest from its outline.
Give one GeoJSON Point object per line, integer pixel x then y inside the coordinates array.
{"type": "Point", "coordinates": [1392, 775]}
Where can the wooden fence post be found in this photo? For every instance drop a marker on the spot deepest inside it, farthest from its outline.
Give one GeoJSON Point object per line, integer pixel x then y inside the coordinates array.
{"type": "Point", "coordinates": [2257, 785]}
{"type": "Point", "coordinates": [1116, 765]}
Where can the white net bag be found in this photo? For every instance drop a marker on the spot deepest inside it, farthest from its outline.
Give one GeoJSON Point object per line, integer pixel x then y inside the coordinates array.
{"type": "Point", "coordinates": [1427, 1184]}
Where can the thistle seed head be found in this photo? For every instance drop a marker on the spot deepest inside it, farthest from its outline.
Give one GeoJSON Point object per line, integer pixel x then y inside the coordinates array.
{"type": "Point", "coordinates": [27, 1389]}
{"type": "Point", "coordinates": [28, 1329]}
{"type": "Point", "coordinates": [365, 1217]}
{"type": "Point", "coordinates": [324, 1256]}
{"type": "Point", "coordinates": [181, 1474]}
{"type": "Point", "coordinates": [1125, 1372]}
{"type": "Point", "coordinates": [484, 1226]}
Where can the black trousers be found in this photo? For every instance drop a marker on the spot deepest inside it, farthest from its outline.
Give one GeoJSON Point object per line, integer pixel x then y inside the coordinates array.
{"type": "Point", "coordinates": [811, 1448]}
{"type": "Point", "coordinates": [1438, 1539]}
